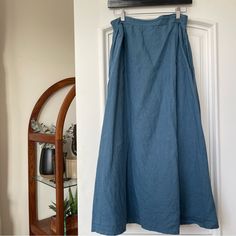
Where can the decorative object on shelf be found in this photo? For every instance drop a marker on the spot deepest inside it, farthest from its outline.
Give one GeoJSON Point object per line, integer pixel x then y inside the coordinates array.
{"type": "Point", "coordinates": [71, 161]}
{"type": "Point", "coordinates": [70, 224]}
{"type": "Point", "coordinates": [143, 3]}
{"type": "Point", "coordinates": [41, 128]}
{"type": "Point", "coordinates": [47, 163]}
{"type": "Point", "coordinates": [47, 156]}
{"type": "Point", "coordinates": [71, 167]}
{"type": "Point", "coordinates": [70, 213]}
{"type": "Point", "coordinates": [74, 141]}
{"type": "Point", "coordinates": [69, 134]}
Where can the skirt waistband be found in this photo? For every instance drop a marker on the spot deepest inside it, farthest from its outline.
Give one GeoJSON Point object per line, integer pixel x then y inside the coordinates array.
{"type": "Point", "coordinates": [161, 20]}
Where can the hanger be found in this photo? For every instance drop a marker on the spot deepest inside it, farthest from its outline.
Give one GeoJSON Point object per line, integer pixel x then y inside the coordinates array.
{"type": "Point", "coordinates": [122, 15]}
{"type": "Point", "coordinates": [177, 12]}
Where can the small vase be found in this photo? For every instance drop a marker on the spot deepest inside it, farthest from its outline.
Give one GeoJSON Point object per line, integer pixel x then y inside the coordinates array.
{"type": "Point", "coordinates": [47, 163]}
{"type": "Point", "coordinates": [71, 168]}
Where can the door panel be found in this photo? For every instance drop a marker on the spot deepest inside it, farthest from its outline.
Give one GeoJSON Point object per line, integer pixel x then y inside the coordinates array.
{"type": "Point", "coordinates": [93, 41]}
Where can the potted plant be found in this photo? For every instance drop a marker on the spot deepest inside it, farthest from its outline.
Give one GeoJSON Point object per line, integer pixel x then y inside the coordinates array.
{"type": "Point", "coordinates": [47, 156]}
{"type": "Point", "coordinates": [70, 213]}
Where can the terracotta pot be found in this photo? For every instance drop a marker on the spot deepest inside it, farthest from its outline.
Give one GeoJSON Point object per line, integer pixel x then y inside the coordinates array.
{"type": "Point", "coordinates": [71, 223]}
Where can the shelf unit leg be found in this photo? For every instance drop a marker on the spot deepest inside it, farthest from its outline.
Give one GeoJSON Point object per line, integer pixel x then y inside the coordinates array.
{"type": "Point", "coordinates": [59, 189]}
{"type": "Point", "coordinates": [32, 183]}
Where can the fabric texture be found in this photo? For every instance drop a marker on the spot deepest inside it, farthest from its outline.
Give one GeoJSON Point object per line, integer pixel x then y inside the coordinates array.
{"type": "Point", "coordinates": [152, 167]}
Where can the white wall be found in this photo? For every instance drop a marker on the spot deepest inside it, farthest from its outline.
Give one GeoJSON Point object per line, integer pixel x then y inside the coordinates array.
{"type": "Point", "coordinates": [36, 50]}
{"type": "Point", "coordinates": [87, 20]}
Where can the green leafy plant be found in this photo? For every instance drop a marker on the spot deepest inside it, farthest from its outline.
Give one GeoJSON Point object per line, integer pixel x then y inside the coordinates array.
{"type": "Point", "coordinates": [73, 203]}
{"type": "Point", "coordinates": [70, 205]}
{"type": "Point", "coordinates": [53, 207]}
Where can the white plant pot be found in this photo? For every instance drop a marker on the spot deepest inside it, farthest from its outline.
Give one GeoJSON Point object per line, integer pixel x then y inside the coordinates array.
{"type": "Point", "coordinates": [71, 168]}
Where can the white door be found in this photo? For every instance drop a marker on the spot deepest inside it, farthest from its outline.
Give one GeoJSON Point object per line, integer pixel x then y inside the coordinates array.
{"type": "Point", "coordinates": [212, 36]}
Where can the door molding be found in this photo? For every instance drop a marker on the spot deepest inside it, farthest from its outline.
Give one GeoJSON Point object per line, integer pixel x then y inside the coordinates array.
{"type": "Point", "coordinates": [203, 36]}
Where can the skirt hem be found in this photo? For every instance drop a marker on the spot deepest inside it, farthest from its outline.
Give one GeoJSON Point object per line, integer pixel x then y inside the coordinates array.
{"type": "Point", "coordinates": [108, 230]}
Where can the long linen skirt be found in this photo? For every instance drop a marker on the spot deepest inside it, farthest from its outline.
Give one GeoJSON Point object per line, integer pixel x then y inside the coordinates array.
{"type": "Point", "coordinates": [152, 167]}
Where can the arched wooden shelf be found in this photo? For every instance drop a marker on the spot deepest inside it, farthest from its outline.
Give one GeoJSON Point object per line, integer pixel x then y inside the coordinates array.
{"type": "Point", "coordinates": [42, 227]}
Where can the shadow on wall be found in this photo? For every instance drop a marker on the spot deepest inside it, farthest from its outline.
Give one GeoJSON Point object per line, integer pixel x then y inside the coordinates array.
{"type": "Point", "coordinates": [6, 225]}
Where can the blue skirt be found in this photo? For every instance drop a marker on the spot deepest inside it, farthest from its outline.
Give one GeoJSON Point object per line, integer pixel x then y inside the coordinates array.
{"type": "Point", "coordinates": [152, 168]}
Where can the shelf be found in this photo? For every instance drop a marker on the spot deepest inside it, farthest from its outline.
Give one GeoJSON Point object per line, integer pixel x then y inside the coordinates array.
{"type": "Point", "coordinates": [42, 227]}
{"type": "Point", "coordinates": [67, 183]}
{"type": "Point", "coordinates": [43, 138]}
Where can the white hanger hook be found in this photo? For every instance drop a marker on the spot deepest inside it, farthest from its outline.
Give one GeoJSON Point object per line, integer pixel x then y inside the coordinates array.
{"type": "Point", "coordinates": [177, 12]}
{"type": "Point", "coordinates": [122, 15]}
